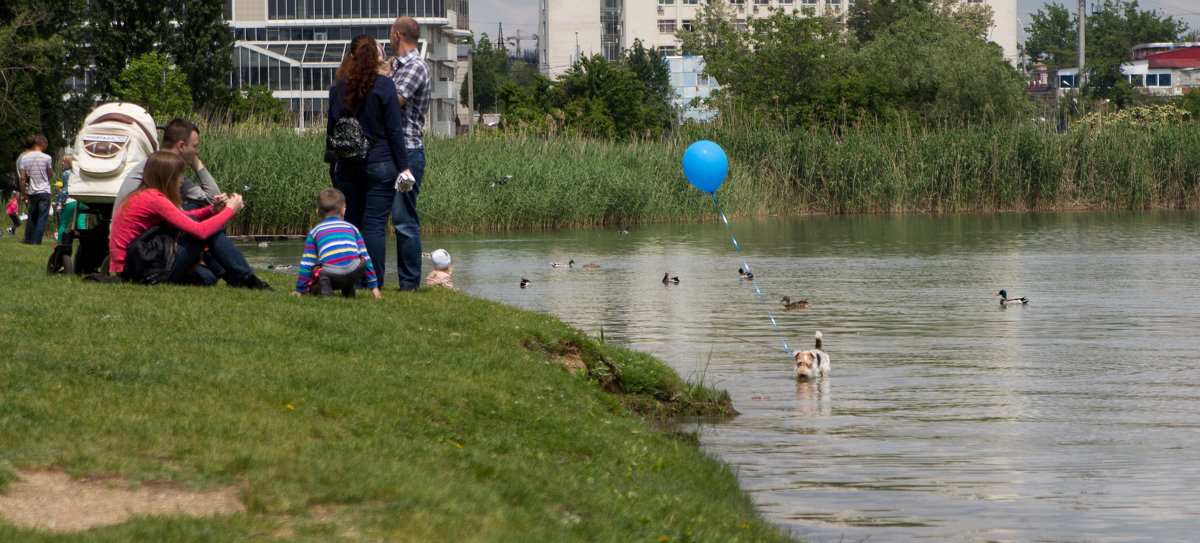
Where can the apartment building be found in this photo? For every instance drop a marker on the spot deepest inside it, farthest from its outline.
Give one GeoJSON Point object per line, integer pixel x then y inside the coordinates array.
{"type": "Point", "coordinates": [295, 46]}
{"type": "Point", "coordinates": [571, 29]}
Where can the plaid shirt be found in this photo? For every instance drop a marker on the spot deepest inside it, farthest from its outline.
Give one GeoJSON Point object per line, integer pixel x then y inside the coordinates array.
{"type": "Point", "coordinates": [411, 76]}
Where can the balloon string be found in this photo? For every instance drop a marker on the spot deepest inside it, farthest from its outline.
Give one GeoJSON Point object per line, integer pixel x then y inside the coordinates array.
{"type": "Point", "coordinates": [752, 280]}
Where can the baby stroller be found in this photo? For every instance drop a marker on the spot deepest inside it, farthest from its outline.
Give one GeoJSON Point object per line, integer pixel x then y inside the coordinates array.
{"type": "Point", "coordinates": [115, 137]}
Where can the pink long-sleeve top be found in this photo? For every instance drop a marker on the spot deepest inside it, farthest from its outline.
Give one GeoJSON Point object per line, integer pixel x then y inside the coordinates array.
{"type": "Point", "coordinates": [149, 207]}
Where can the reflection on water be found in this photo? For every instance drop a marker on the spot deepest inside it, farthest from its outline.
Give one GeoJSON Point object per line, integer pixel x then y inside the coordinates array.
{"type": "Point", "coordinates": [947, 417]}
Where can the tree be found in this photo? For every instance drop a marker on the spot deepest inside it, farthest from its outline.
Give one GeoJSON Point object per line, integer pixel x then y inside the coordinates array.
{"type": "Point", "coordinates": [120, 31]}
{"type": "Point", "coordinates": [258, 103]}
{"type": "Point", "coordinates": [201, 44]}
{"type": "Point", "coordinates": [654, 73]}
{"type": "Point", "coordinates": [1053, 35]}
{"type": "Point", "coordinates": [33, 66]}
{"type": "Point", "coordinates": [152, 82]}
{"type": "Point", "coordinates": [868, 18]}
{"type": "Point", "coordinates": [490, 69]}
{"type": "Point", "coordinates": [980, 85]}
{"type": "Point", "coordinates": [202, 47]}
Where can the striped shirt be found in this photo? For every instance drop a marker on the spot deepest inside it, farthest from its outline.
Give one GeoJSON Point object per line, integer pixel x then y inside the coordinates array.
{"type": "Point", "coordinates": [36, 165]}
{"type": "Point", "coordinates": [337, 243]}
{"type": "Point", "coordinates": [411, 76]}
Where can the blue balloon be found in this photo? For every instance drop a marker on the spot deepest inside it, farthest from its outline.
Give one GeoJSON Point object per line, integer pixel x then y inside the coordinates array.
{"type": "Point", "coordinates": [705, 165]}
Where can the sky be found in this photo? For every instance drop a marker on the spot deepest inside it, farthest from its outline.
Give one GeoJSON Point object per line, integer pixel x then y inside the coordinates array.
{"type": "Point", "coordinates": [522, 15]}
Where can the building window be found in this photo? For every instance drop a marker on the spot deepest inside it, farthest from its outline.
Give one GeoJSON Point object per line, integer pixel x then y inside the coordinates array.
{"type": "Point", "coordinates": [666, 26]}
{"type": "Point", "coordinates": [666, 2]}
{"type": "Point", "coordinates": [1151, 80]}
{"type": "Point", "coordinates": [833, 2]}
{"type": "Point", "coordinates": [809, 2]}
{"type": "Point", "coordinates": [687, 24]}
{"type": "Point", "coordinates": [762, 2]}
{"type": "Point", "coordinates": [1066, 81]}
{"type": "Point", "coordinates": [790, 1]}
{"type": "Point", "coordinates": [739, 25]}
{"type": "Point", "coordinates": [688, 2]}
{"type": "Point", "coordinates": [666, 50]}
{"type": "Point", "coordinates": [1164, 80]}
{"type": "Point", "coordinates": [1137, 80]}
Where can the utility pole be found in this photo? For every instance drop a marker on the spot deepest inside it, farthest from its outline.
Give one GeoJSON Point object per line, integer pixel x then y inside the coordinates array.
{"type": "Point", "coordinates": [471, 91]}
{"type": "Point", "coordinates": [500, 37]}
{"type": "Point", "coordinates": [1079, 74]}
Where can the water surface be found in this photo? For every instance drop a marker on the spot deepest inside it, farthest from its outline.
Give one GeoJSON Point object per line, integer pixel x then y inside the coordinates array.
{"type": "Point", "coordinates": [947, 417]}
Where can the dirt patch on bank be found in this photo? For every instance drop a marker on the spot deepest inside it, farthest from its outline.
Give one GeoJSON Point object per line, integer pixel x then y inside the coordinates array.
{"type": "Point", "coordinates": [53, 501]}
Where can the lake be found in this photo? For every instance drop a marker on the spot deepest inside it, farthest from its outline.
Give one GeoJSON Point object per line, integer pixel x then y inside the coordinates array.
{"type": "Point", "coordinates": [947, 417]}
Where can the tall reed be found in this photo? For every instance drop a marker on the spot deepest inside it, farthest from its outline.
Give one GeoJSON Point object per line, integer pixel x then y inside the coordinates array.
{"type": "Point", "coordinates": [879, 168]}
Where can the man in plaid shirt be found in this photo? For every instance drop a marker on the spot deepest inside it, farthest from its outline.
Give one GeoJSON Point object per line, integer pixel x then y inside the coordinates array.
{"type": "Point", "coordinates": [411, 76]}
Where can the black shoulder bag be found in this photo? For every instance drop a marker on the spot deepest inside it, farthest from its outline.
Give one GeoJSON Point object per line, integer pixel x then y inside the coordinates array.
{"type": "Point", "coordinates": [150, 257]}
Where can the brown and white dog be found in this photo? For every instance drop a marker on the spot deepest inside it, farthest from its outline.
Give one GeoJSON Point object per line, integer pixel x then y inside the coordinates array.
{"type": "Point", "coordinates": [812, 363]}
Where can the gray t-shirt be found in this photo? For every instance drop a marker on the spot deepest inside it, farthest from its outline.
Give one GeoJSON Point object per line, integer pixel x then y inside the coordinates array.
{"type": "Point", "coordinates": [202, 194]}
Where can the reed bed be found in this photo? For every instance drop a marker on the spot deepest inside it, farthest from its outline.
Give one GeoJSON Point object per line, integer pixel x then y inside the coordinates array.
{"type": "Point", "coordinates": [569, 182]}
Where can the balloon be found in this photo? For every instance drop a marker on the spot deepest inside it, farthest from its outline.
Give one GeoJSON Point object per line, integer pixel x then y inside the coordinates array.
{"type": "Point", "coordinates": [705, 165]}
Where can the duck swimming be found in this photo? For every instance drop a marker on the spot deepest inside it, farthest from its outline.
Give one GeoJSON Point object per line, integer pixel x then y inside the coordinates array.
{"type": "Point", "coordinates": [668, 280]}
{"type": "Point", "coordinates": [1005, 300]}
{"type": "Point", "coordinates": [569, 264]}
{"type": "Point", "coordinates": [799, 304]}
{"type": "Point", "coordinates": [525, 283]}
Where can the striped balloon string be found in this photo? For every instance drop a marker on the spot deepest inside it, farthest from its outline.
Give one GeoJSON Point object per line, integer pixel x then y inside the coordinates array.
{"type": "Point", "coordinates": [752, 279]}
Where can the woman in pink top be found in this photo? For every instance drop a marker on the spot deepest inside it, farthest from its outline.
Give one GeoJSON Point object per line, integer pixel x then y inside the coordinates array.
{"type": "Point", "coordinates": [156, 201]}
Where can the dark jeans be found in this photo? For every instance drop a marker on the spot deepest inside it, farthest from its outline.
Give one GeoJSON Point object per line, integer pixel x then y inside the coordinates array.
{"type": "Point", "coordinates": [187, 254]}
{"type": "Point", "coordinates": [39, 209]}
{"type": "Point", "coordinates": [223, 258]}
{"type": "Point", "coordinates": [370, 190]}
{"type": "Point", "coordinates": [408, 225]}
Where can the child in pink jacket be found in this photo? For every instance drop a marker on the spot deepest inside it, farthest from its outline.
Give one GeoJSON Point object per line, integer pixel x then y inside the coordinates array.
{"type": "Point", "coordinates": [13, 213]}
{"type": "Point", "coordinates": [440, 276]}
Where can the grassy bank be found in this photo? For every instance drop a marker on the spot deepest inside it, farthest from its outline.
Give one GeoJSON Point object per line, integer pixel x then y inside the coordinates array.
{"type": "Point", "coordinates": [424, 417]}
{"type": "Point", "coordinates": [567, 182]}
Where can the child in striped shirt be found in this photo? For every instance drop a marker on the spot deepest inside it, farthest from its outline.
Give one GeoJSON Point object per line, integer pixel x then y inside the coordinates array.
{"type": "Point", "coordinates": [335, 257]}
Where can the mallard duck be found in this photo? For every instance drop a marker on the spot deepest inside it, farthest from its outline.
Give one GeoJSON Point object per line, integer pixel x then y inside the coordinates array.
{"type": "Point", "coordinates": [569, 264]}
{"type": "Point", "coordinates": [789, 304]}
{"type": "Point", "coordinates": [1005, 300]}
{"type": "Point", "coordinates": [525, 283]}
{"type": "Point", "coordinates": [623, 231]}
{"type": "Point", "coordinates": [745, 274]}
{"type": "Point", "coordinates": [668, 280]}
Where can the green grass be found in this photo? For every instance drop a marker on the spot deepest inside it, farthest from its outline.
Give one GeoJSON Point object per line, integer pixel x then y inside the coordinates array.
{"type": "Point", "coordinates": [566, 182]}
{"type": "Point", "coordinates": [425, 417]}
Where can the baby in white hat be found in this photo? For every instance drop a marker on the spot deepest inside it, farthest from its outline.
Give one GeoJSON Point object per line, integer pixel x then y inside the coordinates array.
{"type": "Point", "coordinates": [440, 276]}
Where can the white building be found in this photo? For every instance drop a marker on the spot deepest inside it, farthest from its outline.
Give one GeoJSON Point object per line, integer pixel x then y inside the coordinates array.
{"type": "Point", "coordinates": [570, 29]}
{"type": "Point", "coordinates": [295, 46]}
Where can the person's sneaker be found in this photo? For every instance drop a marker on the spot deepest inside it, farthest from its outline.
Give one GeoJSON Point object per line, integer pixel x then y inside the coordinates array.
{"type": "Point", "coordinates": [324, 287]}
{"type": "Point", "coordinates": [349, 292]}
{"type": "Point", "coordinates": [254, 283]}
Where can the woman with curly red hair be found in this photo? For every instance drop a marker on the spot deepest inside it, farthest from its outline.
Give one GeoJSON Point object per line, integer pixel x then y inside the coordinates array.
{"type": "Point", "coordinates": [369, 185]}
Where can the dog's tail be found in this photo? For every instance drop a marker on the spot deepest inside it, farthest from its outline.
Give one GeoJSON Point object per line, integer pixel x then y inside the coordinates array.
{"type": "Point", "coordinates": [819, 340]}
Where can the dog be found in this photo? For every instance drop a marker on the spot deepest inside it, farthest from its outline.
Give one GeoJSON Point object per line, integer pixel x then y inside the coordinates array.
{"type": "Point", "coordinates": [812, 363]}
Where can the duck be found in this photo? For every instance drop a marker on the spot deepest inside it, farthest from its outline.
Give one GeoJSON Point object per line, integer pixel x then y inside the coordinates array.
{"type": "Point", "coordinates": [745, 274]}
{"type": "Point", "coordinates": [668, 280]}
{"type": "Point", "coordinates": [264, 244]}
{"type": "Point", "coordinates": [569, 264]}
{"type": "Point", "coordinates": [1005, 300]}
{"type": "Point", "coordinates": [525, 283]}
{"type": "Point", "coordinates": [624, 231]}
{"type": "Point", "coordinates": [799, 304]}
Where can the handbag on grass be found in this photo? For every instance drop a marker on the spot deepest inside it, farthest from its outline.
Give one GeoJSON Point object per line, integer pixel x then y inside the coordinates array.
{"type": "Point", "coordinates": [150, 257]}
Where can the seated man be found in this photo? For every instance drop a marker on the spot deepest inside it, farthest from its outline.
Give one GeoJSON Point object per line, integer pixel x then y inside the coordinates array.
{"type": "Point", "coordinates": [222, 257]}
